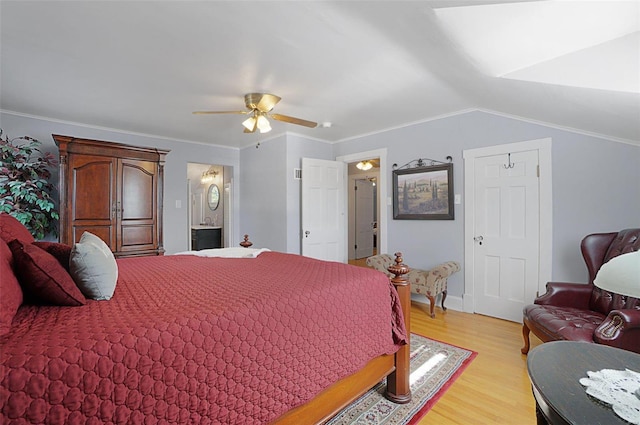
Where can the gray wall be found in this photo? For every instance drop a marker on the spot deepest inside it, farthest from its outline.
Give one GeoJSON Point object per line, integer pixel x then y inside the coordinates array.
{"type": "Point", "coordinates": [176, 234]}
{"type": "Point", "coordinates": [596, 182]}
{"type": "Point", "coordinates": [263, 199]}
{"type": "Point", "coordinates": [596, 186]}
{"type": "Point", "coordinates": [269, 214]}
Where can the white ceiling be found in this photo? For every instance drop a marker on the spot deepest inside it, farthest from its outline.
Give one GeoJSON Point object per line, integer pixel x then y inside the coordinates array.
{"type": "Point", "coordinates": [144, 66]}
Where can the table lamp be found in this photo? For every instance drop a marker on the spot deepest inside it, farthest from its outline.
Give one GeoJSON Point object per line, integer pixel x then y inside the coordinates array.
{"type": "Point", "coordinates": [621, 275]}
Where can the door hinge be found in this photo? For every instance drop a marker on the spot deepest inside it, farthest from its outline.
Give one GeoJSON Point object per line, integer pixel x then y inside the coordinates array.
{"type": "Point", "coordinates": [538, 170]}
{"type": "Point", "coordinates": [297, 174]}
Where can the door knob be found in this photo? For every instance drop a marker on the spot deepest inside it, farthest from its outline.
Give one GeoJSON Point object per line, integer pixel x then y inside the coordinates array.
{"type": "Point", "coordinates": [478, 239]}
{"type": "Point", "coordinates": [306, 233]}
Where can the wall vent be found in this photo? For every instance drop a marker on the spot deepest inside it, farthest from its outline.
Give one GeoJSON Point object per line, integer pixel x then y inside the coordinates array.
{"type": "Point", "coordinates": [297, 173]}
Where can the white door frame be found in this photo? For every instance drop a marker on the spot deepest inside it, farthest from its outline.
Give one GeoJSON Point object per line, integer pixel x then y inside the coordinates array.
{"type": "Point", "coordinates": [227, 215]}
{"type": "Point", "coordinates": [546, 211]}
{"type": "Point", "coordinates": [383, 201]}
{"type": "Point", "coordinates": [364, 242]}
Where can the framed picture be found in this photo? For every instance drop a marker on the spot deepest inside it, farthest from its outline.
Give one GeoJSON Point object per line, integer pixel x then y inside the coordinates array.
{"type": "Point", "coordinates": [423, 193]}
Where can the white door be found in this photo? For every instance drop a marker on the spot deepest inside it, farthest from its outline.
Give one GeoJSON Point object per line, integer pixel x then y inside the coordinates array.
{"type": "Point", "coordinates": [323, 209]}
{"type": "Point", "coordinates": [364, 218]}
{"type": "Point", "coordinates": [506, 233]}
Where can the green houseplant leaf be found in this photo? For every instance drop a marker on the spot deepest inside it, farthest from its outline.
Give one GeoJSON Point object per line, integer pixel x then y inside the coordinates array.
{"type": "Point", "coordinates": [25, 187]}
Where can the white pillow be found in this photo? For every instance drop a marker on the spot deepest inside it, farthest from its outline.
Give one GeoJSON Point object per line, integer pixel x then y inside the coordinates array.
{"type": "Point", "coordinates": [93, 267]}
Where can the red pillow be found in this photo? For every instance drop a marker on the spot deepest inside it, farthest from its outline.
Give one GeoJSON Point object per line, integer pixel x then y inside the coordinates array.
{"type": "Point", "coordinates": [10, 290]}
{"type": "Point", "coordinates": [60, 251]}
{"type": "Point", "coordinates": [42, 276]}
{"type": "Point", "coordinates": [11, 228]}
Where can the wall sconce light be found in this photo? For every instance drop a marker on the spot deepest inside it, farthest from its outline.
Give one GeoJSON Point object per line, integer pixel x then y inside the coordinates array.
{"type": "Point", "coordinates": [208, 176]}
{"type": "Point", "coordinates": [364, 165]}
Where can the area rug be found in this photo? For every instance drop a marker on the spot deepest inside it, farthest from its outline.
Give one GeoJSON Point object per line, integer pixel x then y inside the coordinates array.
{"type": "Point", "coordinates": [434, 367]}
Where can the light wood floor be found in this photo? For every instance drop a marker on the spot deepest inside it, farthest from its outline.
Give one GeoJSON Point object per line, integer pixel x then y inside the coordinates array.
{"type": "Point", "coordinates": [362, 262]}
{"type": "Point", "coordinates": [495, 387]}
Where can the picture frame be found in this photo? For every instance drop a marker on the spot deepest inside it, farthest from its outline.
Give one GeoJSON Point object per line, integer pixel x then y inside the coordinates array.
{"type": "Point", "coordinates": [423, 193]}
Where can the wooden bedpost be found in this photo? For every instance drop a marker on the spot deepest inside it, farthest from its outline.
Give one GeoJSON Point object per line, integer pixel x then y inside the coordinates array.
{"type": "Point", "coordinates": [398, 389]}
{"type": "Point", "coordinates": [246, 243]}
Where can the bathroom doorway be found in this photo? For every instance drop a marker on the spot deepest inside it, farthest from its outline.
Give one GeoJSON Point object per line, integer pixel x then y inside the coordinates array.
{"type": "Point", "coordinates": [210, 205]}
{"type": "Point", "coordinates": [363, 209]}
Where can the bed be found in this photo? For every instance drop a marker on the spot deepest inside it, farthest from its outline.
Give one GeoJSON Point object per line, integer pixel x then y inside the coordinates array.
{"type": "Point", "coordinates": [278, 338]}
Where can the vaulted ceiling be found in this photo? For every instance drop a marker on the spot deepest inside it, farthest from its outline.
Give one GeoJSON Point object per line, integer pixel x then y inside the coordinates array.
{"type": "Point", "coordinates": [362, 66]}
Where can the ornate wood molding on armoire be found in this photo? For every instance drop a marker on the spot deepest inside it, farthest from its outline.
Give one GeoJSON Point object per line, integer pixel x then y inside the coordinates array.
{"type": "Point", "coordinates": [113, 191]}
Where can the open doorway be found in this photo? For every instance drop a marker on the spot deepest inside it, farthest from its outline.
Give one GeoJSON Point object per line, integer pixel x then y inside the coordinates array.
{"type": "Point", "coordinates": [383, 201]}
{"type": "Point", "coordinates": [210, 203]}
{"type": "Point", "coordinates": [363, 209]}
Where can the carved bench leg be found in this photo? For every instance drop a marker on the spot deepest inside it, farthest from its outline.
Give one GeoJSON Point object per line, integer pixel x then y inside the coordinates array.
{"type": "Point", "coordinates": [444, 296]}
{"type": "Point", "coordinates": [432, 305]}
{"type": "Point", "coordinates": [525, 336]}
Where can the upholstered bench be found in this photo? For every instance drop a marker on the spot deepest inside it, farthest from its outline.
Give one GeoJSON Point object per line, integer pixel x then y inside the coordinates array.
{"type": "Point", "coordinates": [429, 283]}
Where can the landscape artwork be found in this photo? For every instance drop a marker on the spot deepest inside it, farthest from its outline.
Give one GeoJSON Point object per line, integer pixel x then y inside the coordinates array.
{"type": "Point", "coordinates": [423, 193]}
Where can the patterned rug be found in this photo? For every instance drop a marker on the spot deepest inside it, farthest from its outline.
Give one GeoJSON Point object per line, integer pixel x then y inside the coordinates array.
{"type": "Point", "coordinates": [434, 367]}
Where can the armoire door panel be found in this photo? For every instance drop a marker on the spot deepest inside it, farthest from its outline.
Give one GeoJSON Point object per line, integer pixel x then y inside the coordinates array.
{"type": "Point", "coordinates": [103, 232]}
{"type": "Point", "coordinates": [138, 190]}
{"type": "Point", "coordinates": [91, 192]}
{"type": "Point", "coordinates": [92, 188]}
{"type": "Point", "coordinates": [137, 236]}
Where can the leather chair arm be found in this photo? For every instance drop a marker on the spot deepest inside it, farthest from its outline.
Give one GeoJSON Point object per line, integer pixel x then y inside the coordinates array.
{"type": "Point", "coordinates": [565, 294]}
{"type": "Point", "coordinates": [620, 329]}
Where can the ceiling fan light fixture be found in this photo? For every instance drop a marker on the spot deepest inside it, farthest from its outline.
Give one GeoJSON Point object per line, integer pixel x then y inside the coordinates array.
{"type": "Point", "coordinates": [364, 165]}
{"type": "Point", "coordinates": [263, 124]}
{"type": "Point", "coordinates": [259, 106]}
{"type": "Point", "coordinates": [249, 123]}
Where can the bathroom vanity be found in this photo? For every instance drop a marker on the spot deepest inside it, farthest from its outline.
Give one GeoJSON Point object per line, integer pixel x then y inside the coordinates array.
{"type": "Point", "coordinates": [205, 237]}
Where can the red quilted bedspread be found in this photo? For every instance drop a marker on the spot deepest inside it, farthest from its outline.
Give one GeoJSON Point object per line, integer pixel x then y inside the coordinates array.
{"type": "Point", "coordinates": [198, 340]}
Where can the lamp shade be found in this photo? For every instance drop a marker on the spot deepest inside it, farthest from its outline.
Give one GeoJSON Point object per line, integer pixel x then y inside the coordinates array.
{"type": "Point", "coordinates": [621, 275]}
{"type": "Point", "coordinates": [249, 123]}
{"type": "Point", "coordinates": [263, 124]}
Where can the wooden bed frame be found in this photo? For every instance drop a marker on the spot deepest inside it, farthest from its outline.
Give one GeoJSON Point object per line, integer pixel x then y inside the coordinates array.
{"type": "Point", "coordinates": [394, 367]}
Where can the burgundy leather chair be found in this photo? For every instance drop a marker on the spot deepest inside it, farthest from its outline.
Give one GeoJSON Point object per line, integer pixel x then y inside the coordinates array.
{"type": "Point", "coordinates": [584, 312]}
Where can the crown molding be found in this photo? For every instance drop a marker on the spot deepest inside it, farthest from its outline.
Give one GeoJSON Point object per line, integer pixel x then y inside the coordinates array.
{"type": "Point", "coordinates": [114, 130]}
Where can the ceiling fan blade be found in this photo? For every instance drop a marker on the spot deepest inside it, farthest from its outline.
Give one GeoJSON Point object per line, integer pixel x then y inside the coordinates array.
{"type": "Point", "coordinates": [293, 120]}
{"type": "Point", "coordinates": [219, 112]}
{"type": "Point", "coordinates": [263, 102]}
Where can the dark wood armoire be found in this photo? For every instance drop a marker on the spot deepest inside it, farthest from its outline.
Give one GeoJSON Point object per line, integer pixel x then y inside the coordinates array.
{"type": "Point", "coordinates": [113, 191]}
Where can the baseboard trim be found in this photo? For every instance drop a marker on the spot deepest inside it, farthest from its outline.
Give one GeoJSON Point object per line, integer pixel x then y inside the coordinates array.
{"type": "Point", "coordinates": [453, 303]}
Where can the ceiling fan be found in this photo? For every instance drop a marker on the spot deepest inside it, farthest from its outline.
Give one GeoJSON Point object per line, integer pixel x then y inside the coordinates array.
{"type": "Point", "coordinates": [259, 106]}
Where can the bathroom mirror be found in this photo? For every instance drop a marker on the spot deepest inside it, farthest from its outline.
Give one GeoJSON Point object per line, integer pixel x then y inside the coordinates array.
{"type": "Point", "coordinates": [213, 197]}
